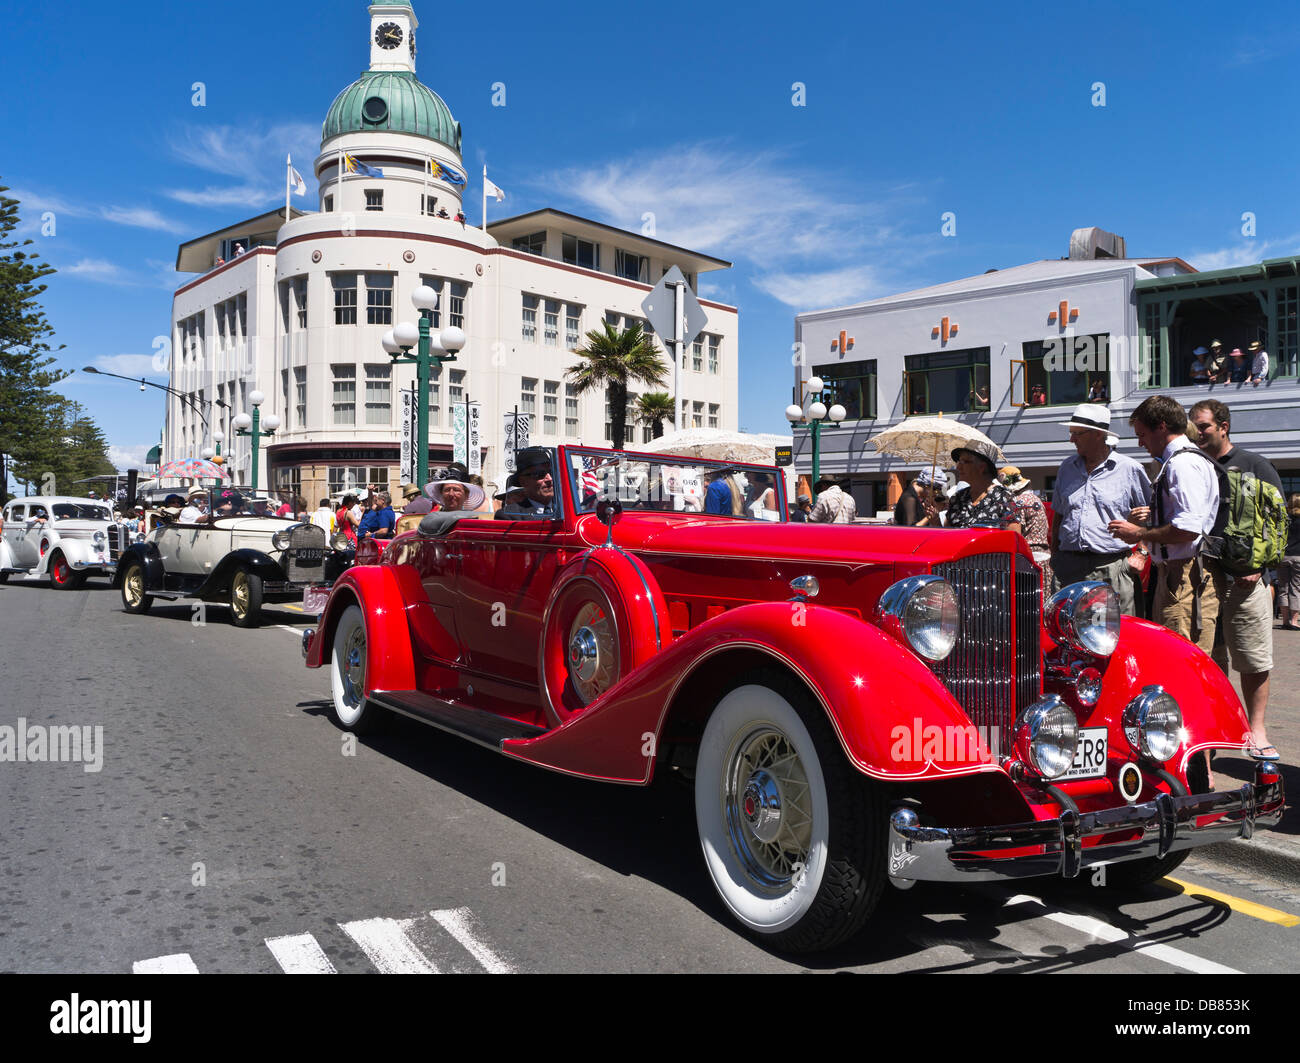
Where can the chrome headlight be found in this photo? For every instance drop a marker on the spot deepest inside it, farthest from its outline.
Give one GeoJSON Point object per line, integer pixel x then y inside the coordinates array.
{"type": "Point", "coordinates": [922, 611]}
{"type": "Point", "coordinates": [1153, 723]}
{"type": "Point", "coordinates": [341, 541]}
{"type": "Point", "coordinates": [99, 538]}
{"type": "Point", "coordinates": [281, 539]}
{"type": "Point", "coordinates": [1047, 735]}
{"type": "Point", "coordinates": [1085, 616]}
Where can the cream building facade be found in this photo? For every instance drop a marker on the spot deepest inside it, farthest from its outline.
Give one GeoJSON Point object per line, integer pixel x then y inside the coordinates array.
{"type": "Point", "coordinates": [297, 308]}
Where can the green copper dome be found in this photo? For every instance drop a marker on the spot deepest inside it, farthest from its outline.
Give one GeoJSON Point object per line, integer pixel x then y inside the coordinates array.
{"type": "Point", "coordinates": [391, 101]}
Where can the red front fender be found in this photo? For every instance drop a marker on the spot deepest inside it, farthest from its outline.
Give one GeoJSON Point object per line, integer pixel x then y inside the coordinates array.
{"type": "Point", "coordinates": [885, 705]}
{"type": "Point", "coordinates": [383, 592]}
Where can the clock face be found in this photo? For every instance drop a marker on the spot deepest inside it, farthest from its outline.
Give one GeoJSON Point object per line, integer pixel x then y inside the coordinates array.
{"type": "Point", "coordinates": [388, 35]}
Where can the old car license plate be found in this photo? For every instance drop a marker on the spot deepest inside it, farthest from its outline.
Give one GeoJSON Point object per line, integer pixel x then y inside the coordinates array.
{"type": "Point", "coordinates": [314, 599]}
{"type": "Point", "coordinates": [1090, 757]}
{"type": "Point", "coordinates": [308, 556]}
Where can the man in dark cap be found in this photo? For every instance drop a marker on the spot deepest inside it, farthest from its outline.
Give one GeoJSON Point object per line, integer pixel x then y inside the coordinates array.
{"type": "Point", "coordinates": [533, 474]}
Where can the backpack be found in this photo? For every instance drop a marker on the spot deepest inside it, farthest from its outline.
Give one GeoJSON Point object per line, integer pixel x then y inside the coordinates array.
{"type": "Point", "coordinates": [1250, 528]}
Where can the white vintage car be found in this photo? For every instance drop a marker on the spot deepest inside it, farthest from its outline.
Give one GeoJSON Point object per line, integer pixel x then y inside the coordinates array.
{"type": "Point", "coordinates": [64, 538]}
{"type": "Point", "coordinates": [232, 555]}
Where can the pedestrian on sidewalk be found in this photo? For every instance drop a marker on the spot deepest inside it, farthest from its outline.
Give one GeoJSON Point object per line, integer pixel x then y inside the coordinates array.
{"type": "Point", "coordinates": [1245, 605]}
{"type": "Point", "coordinates": [1288, 572]}
{"type": "Point", "coordinates": [1094, 488]}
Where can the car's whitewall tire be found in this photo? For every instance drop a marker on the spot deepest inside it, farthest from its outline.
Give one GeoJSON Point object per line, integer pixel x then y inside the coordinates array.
{"type": "Point", "coordinates": [348, 666]}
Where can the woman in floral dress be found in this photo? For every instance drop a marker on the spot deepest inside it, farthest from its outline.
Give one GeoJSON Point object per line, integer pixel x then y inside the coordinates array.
{"type": "Point", "coordinates": [985, 503]}
{"type": "Point", "coordinates": [1032, 518]}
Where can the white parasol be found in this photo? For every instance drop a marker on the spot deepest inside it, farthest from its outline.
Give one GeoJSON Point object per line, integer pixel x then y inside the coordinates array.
{"type": "Point", "coordinates": [723, 445]}
{"type": "Point", "coordinates": [919, 440]}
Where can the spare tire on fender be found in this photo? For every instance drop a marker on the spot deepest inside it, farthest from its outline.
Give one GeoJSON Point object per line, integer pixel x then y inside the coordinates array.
{"type": "Point", "coordinates": [606, 616]}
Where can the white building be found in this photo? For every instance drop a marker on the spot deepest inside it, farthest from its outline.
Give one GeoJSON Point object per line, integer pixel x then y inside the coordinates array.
{"type": "Point", "coordinates": [298, 311]}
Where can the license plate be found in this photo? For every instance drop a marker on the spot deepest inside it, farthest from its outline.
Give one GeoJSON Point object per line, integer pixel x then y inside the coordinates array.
{"type": "Point", "coordinates": [314, 599]}
{"type": "Point", "coordinates": [308, 556]}
{"type": "Point", "coordinates": [1090, 757]}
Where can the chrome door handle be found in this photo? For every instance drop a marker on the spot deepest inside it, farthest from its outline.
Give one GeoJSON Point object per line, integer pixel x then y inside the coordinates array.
{"type": "Point", "coordinates": [453, 557]}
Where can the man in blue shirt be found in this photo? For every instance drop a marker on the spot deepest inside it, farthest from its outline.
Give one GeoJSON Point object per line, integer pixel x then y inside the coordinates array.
{"type": "Point", "coordinates": [380, 521]}
{"type": "Point", "coordinates": [1095, 486]}
{"type": "Point", "coordinates": [717, 499]}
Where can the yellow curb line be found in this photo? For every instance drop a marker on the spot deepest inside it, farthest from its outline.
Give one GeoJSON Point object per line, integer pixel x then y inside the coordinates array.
{"type": "Point", "coordinates": [1237, 904]}
{"type": "Point", "coordinates": [288, 605]}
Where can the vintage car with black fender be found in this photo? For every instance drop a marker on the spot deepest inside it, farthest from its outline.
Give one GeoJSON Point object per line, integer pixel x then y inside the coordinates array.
{"type": "Point", "coordinates": [852, 705]}
{"type": "Point", "coordinates": [232, 554]}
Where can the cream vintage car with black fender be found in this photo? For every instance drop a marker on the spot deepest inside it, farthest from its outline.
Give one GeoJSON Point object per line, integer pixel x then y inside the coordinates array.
{"type": "Point", "coordinates": [233, 556]}
{"type": "Point", "coordinates": [64, 538]}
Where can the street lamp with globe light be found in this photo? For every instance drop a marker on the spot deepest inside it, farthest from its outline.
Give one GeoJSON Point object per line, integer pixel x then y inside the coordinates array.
{"type": "Point", "coordinates": [397, 343]}
{"type": "Point", "coordinates": [256, 426]}
{"type": "Point", "coordinates": [817, 415]}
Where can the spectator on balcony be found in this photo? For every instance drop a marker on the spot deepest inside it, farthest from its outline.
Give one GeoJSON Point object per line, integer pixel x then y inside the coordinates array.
{"type": "Point", "coordinates": [1258, 364]}
{"type": "Point", "coordinates": [1218, 365]}
{"type": "Point", "coordinates": [1200, 371]}
{"type": "Point", "coordinates": [1239, 368]}
{"type": "Point", "coordinates": [1099, 391]}
{"type": "Point", "coordinates": [1038, 395]}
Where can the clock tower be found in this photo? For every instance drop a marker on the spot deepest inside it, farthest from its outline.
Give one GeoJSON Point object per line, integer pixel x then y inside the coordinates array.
{"type": "Point", "coordinates": [392, 36]}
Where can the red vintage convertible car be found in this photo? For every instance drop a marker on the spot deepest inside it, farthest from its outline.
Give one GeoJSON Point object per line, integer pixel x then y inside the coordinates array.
{"type": "Point", "coordinates": [854, 705]}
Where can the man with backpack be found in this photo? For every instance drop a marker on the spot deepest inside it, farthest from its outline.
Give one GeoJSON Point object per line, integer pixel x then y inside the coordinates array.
{"type": "Point", "coordinates": [1253, 538]}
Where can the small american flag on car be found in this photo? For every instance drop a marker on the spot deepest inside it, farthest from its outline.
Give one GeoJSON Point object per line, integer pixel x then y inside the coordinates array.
{"type": "Point", "coordinates": [590, 485]}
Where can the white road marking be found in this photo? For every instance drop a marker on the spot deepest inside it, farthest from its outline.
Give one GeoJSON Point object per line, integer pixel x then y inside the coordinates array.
{"type": "Point", "coordinates": [300, 954]}
{"type": "Point", "coordinates": [461, 924]}
{"type": "Point", "coordinates": [1105, 932]}
{"type": "Point", "coordinates": [386, 944]}
{"type": "Point", "coordinates": [178, 963]}
{"type": "Point", "coordinates": [291, 629]}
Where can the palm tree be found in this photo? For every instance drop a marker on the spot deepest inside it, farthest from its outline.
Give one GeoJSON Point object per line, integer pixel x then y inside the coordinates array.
{"type": "Point", "coordinates": [611, 360]}
{"type": "Point", "coordinates": [653, 408]}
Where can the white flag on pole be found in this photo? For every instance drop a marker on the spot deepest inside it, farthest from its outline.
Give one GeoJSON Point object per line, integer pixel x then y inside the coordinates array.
{"type": "Point", "coordinates": [295, 179]}
{"type": "Point", "coordinates": [489, 189]}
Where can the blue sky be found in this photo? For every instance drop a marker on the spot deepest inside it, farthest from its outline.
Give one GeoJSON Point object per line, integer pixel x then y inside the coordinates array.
{"type": "Point", "coordinates": [911, 111]}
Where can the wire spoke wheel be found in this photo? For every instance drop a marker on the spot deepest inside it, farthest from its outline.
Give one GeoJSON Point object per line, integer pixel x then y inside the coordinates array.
{"type": "Point", "coordinates": [593, 651]}
{"type": "Point", "coordinates": [768, 807]}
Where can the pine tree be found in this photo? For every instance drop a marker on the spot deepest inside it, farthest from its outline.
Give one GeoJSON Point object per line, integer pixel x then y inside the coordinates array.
{"type": "Point", "coordinates": [30, 413]}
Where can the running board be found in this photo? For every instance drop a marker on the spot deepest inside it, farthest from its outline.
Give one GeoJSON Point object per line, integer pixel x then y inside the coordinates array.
{"type": "Point", "coordinates": [483, 728]}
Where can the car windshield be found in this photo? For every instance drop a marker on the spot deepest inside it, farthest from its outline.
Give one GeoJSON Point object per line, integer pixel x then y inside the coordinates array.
{"type": "Point", "coordinates": [80, 511]}
{"type": "Point", "coordinates": [677, 485]}
{"type": "Point", "coordinates": [228, 503]}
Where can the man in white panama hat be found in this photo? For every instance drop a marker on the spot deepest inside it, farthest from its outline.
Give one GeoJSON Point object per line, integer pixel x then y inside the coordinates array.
{"type": "Point", "coordinates": [1096, 485]}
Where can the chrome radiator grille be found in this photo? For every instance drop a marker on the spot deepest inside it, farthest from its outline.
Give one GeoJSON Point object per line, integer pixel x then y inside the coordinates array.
{"type": "Point", "coordinates": [304, 560]}
{"type": "Point", "coordinates": [992, 673]}
{"type": "Point", "coordinates": [117, 538]}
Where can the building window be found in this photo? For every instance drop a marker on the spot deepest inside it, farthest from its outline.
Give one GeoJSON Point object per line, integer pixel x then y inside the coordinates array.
{"type": "Point", "coordinates": [456, 304]}
{"type": "Point", "coordinates": [241, 305]}
{"type": "Point", "coordinates": [528, 328]}
{"type": "Point", "coordinates": [697, 415]}
{"type": "Point", "coordinates": [1285, 358]}
{"type": "Point", "coordinates": [612, 318]}
{"type": "Point", "coordinates": [714, 411]}
{"type": "Point", "coordinates": [852, 385]}
{"type": "Point", "coordinates": [572, 326]}
{"type": "Point", "coordinates": [948, 382]}
{"type": "Point", "coordinates": [570, 411]}
{"type": "Point", "coordinates": [378, 394]}
{"type": "Point", "coordinates": [697, 355]}
{"type": "Point", "coordinates": [581, 252]}
{"type": "Point", "coordinates": [456, 387]}
{"type": "Point", "coordinates": [528, 397]}
{"type": "Point", "coordinates": [345, 298]}
{"type": "Point", "coordinates": [435, 315]}
{"type": "Point", "coordinates": [329, 203]}
{"type": "Point", "coordinates": [435, 394]}
{"type": "Point", "coordinates": [288, 480]}
{"type": "Point", "coordinates": [1065, 371]}
{"type": "Point", "coordinates": [533, 244]}
{"type": "Point", "coordinates": [284, 395]}
{"type": "Point", "coordinates": [350, 479]}
{"type": "Point", "coordinates": [714, 343]}
{"type": "Point", "coordinates": [379, 298]}
{"type": "Point", "coordinates": [1150, 373]}
{"type": "Point", "coordinates": [374, 199]}
{"type": "Point", "coordinates": [345, 394]}
{"type": "Point", "coordinates": [285, 316]}
{"type": "Point", "coordinates": [551, 408]}
{"type": "Point", "coordinates": [631, 267]}
{"type": "Point", "coordinates": [551, 324]}
{"type": "Point", "coordinates": [300, 300]}
{"type": "Point", "coordinates": [300, 396]}
{"type": "Point", "coordinates": [429, 205]}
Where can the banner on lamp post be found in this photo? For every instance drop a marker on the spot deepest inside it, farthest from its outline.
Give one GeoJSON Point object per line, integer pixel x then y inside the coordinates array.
{"type": "Point", "coordinates": [460, 449]}
{"type": "Point", "coordinates": [408, 438]}
{"type": "Point", "coordinates": [518, 426]}
{"type": "Point", "coordinates": [475, 462]}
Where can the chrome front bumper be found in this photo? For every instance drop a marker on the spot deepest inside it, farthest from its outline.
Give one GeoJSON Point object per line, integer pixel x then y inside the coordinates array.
{"type": "Point", "coordinates": [1168, 825]}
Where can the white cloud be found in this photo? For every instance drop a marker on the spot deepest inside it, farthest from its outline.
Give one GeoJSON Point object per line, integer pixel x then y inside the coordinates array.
{"type": "Point", "coordinates": [251, 153]}
{"type": "Point", "coordinates": [142, 218]}
{"type": "Point", "coordinates": [834, 287]}
{"type": "Point", "coordinates": [809, 240]}
{"type": "Point", "coordinates": [136, 217]}
{"type": "Point", "coordinates": [133, 365]}
{"type": "Point", "coordinates": [128, 457]}
{"type": "Point", "coordinates": [1245, 253]}
{"type": "Point", "coordinates": [97, 269]}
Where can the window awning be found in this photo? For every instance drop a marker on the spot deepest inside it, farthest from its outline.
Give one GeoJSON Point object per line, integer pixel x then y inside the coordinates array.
{"type": "Point", "coordinates": [154, 457]}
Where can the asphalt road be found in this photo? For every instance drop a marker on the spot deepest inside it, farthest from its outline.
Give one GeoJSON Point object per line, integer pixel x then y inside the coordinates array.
{"type": "Point", "coordinates": [229, 830]}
